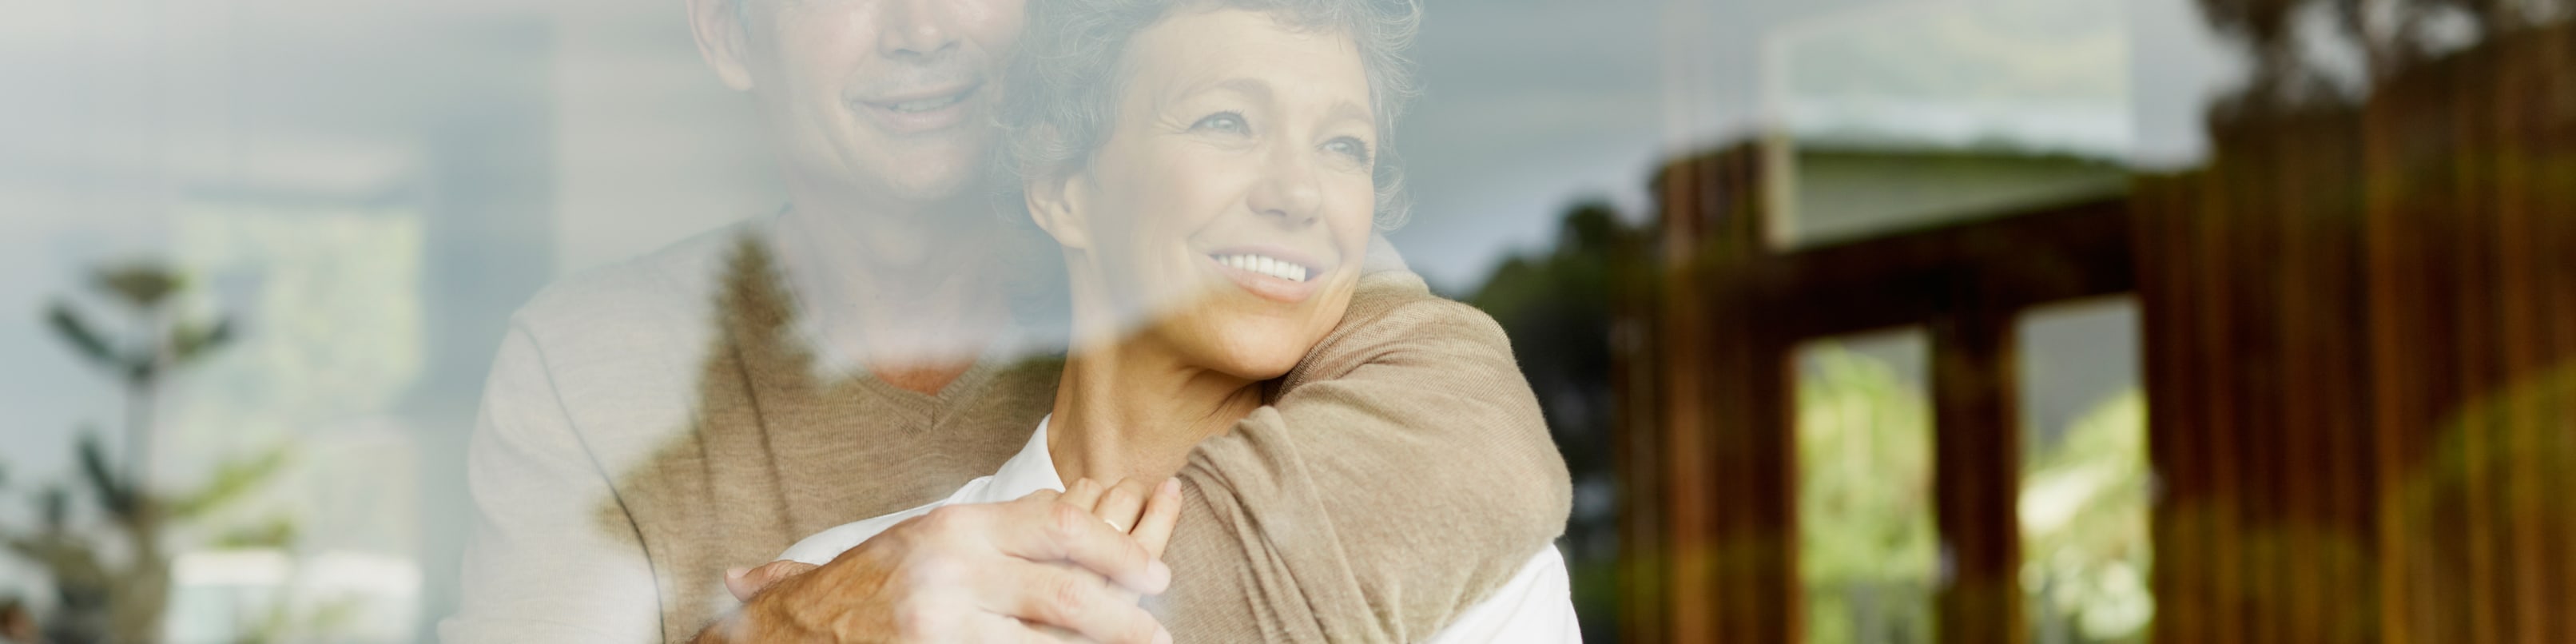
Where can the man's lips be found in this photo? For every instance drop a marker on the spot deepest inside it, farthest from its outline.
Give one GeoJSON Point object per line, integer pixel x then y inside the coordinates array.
{"type": "Point", "coordinates": [921, 111]}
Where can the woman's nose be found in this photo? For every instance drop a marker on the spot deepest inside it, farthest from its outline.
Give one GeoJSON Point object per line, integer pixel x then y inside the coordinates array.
{"type": "Point", "coordinates": [1289, 191]}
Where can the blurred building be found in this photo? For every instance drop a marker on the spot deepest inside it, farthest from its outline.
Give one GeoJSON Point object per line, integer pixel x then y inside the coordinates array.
{"type": "Point", "coordinates": [2357, 326]}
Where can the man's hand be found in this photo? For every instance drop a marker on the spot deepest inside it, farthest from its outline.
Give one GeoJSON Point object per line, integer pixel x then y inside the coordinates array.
{"type": "Point", "coordinates": [1148, 514]}
{"type": "Point", "coordinates": [1036, 569]}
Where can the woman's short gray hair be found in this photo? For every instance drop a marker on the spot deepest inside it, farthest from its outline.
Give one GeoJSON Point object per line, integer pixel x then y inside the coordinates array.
{"type": "Point", "coordinates": [1062, 90]}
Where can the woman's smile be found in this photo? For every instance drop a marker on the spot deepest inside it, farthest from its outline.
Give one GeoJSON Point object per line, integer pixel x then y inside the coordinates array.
{"type": "Point", "coordinates": [1219, 219]}
{"type": "Point", "coordinates": [1269, 272]}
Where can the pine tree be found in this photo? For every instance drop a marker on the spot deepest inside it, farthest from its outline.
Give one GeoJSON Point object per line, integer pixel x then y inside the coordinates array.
{"type": "Point", "coordinates": [104, 598]}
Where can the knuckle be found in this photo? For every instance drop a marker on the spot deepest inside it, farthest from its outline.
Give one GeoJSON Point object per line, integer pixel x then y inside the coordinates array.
{"type": "Point", "coordinates": [1067, 598]}
{"type": "Point", "coordinates": [943, 518]}
{"type": "Point", "coordinates": [1139, 630]}
{"type": "Point", "coordinates": [933, 569]}
{"type": "Point", "coordinates": [1065, 521]}
{"type": "Point", "coordinates": [916, 621]}
{"type": "Point", "coordinates": [1121, 495]}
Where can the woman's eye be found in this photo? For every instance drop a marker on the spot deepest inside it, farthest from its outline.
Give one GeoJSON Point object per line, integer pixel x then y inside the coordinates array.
{"type": "Point", "coordinates": [1227, 122]}
{"type": "Point", "coordinates": [1350, 148]}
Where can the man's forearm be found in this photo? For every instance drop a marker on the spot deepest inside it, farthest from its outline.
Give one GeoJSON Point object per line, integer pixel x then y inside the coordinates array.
{"type": "Point", "coordinates": [1405, 472]}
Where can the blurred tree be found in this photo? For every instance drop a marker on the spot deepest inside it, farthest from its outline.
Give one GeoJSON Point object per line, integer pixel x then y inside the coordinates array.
{"type": "Point", "coordinates": [2083, 511]}
{"type": "Point", "coordinates": [160, 343]}
{"type": "Point", "coordinates": [1867, 547]}
{"type": "Point", "coordinates": [2283, 38]}
{"type": "Point", "coordinates": [1556, 307]}
{"type": "Point", "coordinates": [105, 597]}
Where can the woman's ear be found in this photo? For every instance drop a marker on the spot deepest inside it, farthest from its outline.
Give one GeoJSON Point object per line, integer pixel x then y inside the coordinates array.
{"type": "Point", "coordinates": [1058, 203]}
{"type": "Point", "coordinates": [723, 38]}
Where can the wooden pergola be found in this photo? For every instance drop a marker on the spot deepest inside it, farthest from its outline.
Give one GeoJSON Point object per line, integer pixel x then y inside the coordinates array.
{"type": "Point", "coordinates": [2360, 350]}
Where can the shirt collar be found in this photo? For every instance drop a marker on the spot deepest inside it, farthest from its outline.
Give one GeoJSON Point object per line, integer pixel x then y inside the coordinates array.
{"type": "Point", "coordinates": [1030, 470]}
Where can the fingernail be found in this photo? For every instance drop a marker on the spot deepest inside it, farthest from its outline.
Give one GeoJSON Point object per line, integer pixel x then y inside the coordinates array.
{"type": "Point", "coordinates": [1172, 485]}
{"type": "Point", "coordinates": [736, 573]}
{"type": "Point", "coordinates": [1158, 574]}
{"type": "Point", "coordinates": [1162, 636]}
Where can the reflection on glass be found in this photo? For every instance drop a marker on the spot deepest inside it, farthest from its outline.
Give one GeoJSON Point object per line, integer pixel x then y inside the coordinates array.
{"type": "Point", "coordinates": [1906, 114]}
{"type": "Point", "coordinates": [2083, 506]}
{"type": "Point", "coordinates": [331, 294]}
{"type": "Point", "coordinates": [1866, 538]}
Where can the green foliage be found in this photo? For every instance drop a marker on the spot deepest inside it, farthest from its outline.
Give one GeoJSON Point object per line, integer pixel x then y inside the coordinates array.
{"type": "Point", "coordinates": [2083, 512]}
{"type": "Point", "coordinates": [1557, 307]}
{"type": "Point", "coordinates": [277, 532]}
{"type": "Point", "coordinates": [233, 480]}
{"type": "Point", "coordinates": [119, 496]}
{"type": "Point", "coordinates": [83, 337]}
{"type": "Point", "coordinates": [1867, 547]}
{"type": "Point", "coordinates": [124, 602]}
{"type": "Point", "coordinates": [142, 284]}
{"type": "Point", "coordinates": [145, 288]}
{"type": "Point", "coordinates": [191, 341]}
{"type": "Point", "coordinates": [54, 507]}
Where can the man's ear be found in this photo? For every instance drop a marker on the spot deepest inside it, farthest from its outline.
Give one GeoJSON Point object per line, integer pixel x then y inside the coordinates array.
{"type": "Point", "coordinates": [723, 39]}
{"type": "Point", "coordinates": [1059, 202]}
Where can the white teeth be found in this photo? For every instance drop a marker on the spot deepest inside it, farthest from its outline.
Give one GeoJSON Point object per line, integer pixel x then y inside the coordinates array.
{"type": "Point", "coordinates": [1273, 267]}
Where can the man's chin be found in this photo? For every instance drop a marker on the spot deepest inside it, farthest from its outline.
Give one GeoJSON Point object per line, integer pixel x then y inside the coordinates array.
{"type": "Point", "coordinates": [930, 178]}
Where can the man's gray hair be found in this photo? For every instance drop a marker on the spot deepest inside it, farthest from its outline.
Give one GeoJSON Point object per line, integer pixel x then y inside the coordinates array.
{"type": "Point", "coordinates": [1064, 83]}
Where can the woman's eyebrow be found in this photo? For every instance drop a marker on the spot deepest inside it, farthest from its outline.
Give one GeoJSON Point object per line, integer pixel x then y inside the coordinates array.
{"type": "Point", "coordinates": [1251, 88]}
{"type": "Point", "coordinates": [1351, 111]}
{"type": "Point", "coordinates": [1258, 90]}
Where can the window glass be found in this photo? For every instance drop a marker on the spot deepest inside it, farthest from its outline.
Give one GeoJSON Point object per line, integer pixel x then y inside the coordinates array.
{"type": "Point", "coordinates": [1867, 545]}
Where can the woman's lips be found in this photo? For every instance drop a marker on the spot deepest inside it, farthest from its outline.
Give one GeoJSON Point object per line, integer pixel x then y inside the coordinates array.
{"type": "Point", "coordinates": [1271, 274]}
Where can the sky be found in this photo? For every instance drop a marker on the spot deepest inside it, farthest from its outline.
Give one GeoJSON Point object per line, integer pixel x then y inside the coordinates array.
{"type": "Point", "coordinates": [487, 147]}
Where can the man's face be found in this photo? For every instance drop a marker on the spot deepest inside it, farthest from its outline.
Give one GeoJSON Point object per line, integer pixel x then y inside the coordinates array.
{"type": "Point", "coordinates": [880, 99]}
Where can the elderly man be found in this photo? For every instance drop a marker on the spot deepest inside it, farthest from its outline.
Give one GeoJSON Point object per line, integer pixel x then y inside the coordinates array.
{"type": "Point", "coordinates": [650, 426]}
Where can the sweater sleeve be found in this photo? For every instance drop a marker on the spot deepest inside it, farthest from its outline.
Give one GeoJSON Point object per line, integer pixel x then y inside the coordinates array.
{"type": "Point", "coordinates": [1404, 473]}
{"type": "Point", "coordinates": [541, 564]}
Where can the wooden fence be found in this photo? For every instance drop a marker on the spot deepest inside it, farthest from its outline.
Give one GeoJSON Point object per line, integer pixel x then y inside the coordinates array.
{"type": "Point", "coordinates": [2361, 338]}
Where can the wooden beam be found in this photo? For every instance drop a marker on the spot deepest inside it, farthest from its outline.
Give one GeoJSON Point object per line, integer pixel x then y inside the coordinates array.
{"type": "Point", "coordinates": [2023, 259]}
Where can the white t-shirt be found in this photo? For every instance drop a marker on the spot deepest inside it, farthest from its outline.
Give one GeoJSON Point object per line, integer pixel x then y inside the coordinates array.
{"type": "Point", "coordinates": [1536, 606]}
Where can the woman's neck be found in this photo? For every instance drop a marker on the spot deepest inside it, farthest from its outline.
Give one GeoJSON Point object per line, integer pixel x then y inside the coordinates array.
{"type": "Point", "coordinates": [1133, 410]}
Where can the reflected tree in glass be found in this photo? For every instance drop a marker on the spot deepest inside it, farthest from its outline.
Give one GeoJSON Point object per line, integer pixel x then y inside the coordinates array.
{"type": "Point", "coordinates": [1867, 545]}
{"type": "Point", "coordinates": [114, 587]}
{"type": "Point", "coordinates": [2083, 509]}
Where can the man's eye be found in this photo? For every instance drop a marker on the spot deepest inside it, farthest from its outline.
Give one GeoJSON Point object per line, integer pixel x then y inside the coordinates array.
{"type": "Point", "coordinates": [1227, 122]}
{"type": "Point", "coordinates": [1349, 147]}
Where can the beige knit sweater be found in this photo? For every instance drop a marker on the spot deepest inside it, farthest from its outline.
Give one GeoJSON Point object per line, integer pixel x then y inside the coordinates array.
{"type": "Point", "coordinates": [624, 461]}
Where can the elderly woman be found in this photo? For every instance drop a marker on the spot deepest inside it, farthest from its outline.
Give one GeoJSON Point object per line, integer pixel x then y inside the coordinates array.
{"type": "Point", "coordinates": [1212, 170]}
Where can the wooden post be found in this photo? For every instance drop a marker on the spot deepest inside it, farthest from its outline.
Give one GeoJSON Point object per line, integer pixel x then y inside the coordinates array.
{"type": "Point", "coordinates": [1976, 479]}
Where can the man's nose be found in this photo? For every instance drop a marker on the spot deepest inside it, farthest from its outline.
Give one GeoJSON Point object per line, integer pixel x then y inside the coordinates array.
{"type": "Point", "coordinates": [1289, 190]}
{"type": "Point", "coordinates": [916, 29]}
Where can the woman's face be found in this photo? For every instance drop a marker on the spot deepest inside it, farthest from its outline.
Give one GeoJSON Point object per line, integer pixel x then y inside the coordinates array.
{"type": "Point", "coordinates": [1229, 208]}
